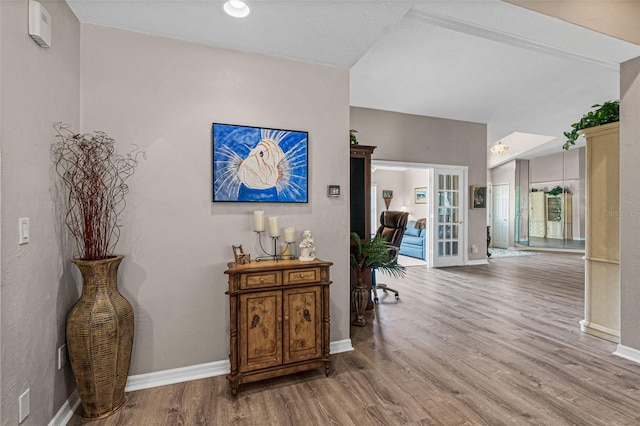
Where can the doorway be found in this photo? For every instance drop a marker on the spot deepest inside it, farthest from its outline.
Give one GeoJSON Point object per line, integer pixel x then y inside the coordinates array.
{"type": "Point", "coordinates": [500, 223]}
{"type": "Point", "coordinates": [434, 195]}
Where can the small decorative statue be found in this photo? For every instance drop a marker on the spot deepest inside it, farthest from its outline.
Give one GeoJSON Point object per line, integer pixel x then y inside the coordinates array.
{"type": "Point", "coordinates": [307, 249]}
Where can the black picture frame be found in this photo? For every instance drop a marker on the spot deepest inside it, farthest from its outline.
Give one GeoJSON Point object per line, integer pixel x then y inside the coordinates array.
{"type": "Point", "coordinates": [478, 197]}
{"type": "Point", "coordinates": [259, 164]}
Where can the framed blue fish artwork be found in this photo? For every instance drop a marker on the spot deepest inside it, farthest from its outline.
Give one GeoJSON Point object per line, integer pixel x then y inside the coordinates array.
{"type": "Point", "coordinates": [254, 164]}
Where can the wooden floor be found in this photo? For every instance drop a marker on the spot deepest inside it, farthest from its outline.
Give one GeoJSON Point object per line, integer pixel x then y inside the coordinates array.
{"type": "Point", "coordinates": [496, 344]}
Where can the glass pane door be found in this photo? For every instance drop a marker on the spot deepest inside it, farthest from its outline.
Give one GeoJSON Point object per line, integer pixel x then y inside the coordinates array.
{"type": "Point", "coordinates": [448, 223]}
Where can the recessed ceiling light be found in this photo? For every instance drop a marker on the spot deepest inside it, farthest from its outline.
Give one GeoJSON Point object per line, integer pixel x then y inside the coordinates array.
{"type": "Point", "coordinates": [236, 8]}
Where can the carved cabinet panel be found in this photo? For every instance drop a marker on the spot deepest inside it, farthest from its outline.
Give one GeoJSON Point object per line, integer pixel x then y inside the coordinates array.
{"type": "Point", "coordinates": [302, 332]}
{"type": "Point", "coordinates": [260, 330]}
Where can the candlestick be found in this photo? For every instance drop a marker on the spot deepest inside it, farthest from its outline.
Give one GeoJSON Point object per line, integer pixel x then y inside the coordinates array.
{"type": "Point", "coordinates": [274, 227]}
{"type": "Point", "coordinates": [258, 221]}
{"type": "Point", "coordinates": [289, 234]}
{"type": "Point", "coordinates": [284, 252]}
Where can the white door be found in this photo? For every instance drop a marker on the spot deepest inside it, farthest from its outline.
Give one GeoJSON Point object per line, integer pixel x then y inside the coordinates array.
{"type": "Point", "coordinates": [500, 225]}
{"type": "Point", "coordinates": [448, 228]}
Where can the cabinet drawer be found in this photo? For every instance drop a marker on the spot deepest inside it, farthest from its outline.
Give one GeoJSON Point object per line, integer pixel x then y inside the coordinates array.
{"type": "Point", "coordinates": [259, 280]}
{"type": "Point", "coordinates": [311, 275]}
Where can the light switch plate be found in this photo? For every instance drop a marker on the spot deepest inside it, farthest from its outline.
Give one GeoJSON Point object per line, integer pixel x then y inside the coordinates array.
{"type": "Point", "coordinates": [23, 231]}
{"type": "Point", "coordinates": [24, 405]}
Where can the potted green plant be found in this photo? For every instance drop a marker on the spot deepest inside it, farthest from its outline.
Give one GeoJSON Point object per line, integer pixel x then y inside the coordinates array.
{"type": "Point", "coordinates": [100, 325]}
{"type": "Point", "coordinates": [608, 112]}
{"type": "Point", "coordinates": [371, 254]}
{"type": "Point", "coordinates": [352, 137]}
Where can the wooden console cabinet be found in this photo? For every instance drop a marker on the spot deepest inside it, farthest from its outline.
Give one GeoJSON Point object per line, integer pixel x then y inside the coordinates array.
{"type": "Point", "coordinates": [279, 319]}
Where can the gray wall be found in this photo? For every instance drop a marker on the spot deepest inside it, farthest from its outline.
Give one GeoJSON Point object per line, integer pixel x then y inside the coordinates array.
{"type": "Point", "coordinates": [630, 203]}
{"type": "Point", "coordinates": [176, 241]}
{"type": "Point", "coordinates": [39, 87]}
{"type": "Point", "coordinates": [418, 139]}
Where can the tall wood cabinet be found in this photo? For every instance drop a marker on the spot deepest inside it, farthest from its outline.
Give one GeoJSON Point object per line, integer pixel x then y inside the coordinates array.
{"type": "Point", "coordinates": [602, 299]}
{"type": "Point", "coordinates": [537, 214]}
{"type": "Point", "coordinates": [360, 198]}
{"type": "Point", "coordinates": [279, 319]}
{"type": "Point", "coordinates": [361, 189]}
{"type": "Point", "coordinates": [559, 216]}
{"type": "Point", "coordinates": [550, 216]}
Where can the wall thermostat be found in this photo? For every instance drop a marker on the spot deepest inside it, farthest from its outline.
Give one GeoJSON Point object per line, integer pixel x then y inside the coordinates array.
{"type": "Point", "coordinates": [333, 190]}
{"type": "Point", "coordinates": [39, 24]}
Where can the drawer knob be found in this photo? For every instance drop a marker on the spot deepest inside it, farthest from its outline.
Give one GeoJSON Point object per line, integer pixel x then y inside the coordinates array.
{"type": "Point", "coordinates": [279, 319]}
{"type": "Point", "coordinates": [286, 318]}
{"type": "Point", "coordinates": [301, 275]}
{"type": "Point", "coordinates": [262, 279]}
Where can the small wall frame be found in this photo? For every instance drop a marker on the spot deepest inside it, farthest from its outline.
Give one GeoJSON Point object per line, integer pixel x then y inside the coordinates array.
{"type": "Point", "coordinates": [478, 197]}
{"type": "Point", "coordinates": [420, 195]}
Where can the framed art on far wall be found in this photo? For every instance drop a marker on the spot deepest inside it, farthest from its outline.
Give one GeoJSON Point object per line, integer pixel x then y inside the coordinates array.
{"type": "Point", "coordinates": [420, 195]}
{"type": "Point", "coordinates": [255, 164]}
{"type": "Point", "coordinates": [478, 197]}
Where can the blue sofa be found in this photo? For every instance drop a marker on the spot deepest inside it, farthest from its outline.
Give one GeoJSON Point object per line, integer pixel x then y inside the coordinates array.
{"type": "Point", "coordinates": [414, 241]}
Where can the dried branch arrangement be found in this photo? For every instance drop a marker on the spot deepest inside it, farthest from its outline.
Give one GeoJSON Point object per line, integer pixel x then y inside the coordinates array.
{"type": "Point", "coordinates": [94, 177]}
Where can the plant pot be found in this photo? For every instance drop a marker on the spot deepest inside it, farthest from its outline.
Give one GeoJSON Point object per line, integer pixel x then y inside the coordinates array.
{"type": "Point", "coordinates": [100, 338]}
{"type": "Point", "coordinates": [360, 297]}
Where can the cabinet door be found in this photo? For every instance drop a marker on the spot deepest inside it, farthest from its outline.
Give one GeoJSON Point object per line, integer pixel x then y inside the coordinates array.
{"type": "Point", "coordinates": [302, 324]}
{"type": "Point", "coordinates": [260, 330]}
{"type": "Point", "coordinates": [537, 218]}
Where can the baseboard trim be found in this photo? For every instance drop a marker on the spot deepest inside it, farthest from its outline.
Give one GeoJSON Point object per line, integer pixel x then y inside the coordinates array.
{"type": "Point", "coordinates": [170, 377]}
{"type": "Point", "coordinates": [64, 414]}
{"type": "Point", "coordinates": [201, 371]}
{"type": "Point", "coordinates": [177, 375]}
{"type": "Point", "coordinates": [478, 262]}
{"type": "Point", "coordinates": [340, 346]}
{"type": "Point", "coordinates": [600, 331]}
{"type": "Point", "coordinates": [628, 353]}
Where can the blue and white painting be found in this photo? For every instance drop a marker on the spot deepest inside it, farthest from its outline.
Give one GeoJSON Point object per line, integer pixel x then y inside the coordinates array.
{"type": "Point", "coordinates": [259, 165]}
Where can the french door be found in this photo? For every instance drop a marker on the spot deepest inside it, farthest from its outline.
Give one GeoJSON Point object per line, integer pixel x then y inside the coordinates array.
{"type": "Point", "coordinates": [448, 227]}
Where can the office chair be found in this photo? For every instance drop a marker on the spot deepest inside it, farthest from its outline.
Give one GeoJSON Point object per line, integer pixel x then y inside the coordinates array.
{"type": "Point", "coordinates": [392, 227]}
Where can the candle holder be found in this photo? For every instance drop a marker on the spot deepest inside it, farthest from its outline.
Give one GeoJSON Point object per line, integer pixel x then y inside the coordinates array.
{"type": "Point", "coordinates": [275, 254]}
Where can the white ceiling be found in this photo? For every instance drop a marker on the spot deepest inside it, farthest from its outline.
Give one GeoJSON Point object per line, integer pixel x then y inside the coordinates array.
{"type": "Point", "coordinates": [527, 75]}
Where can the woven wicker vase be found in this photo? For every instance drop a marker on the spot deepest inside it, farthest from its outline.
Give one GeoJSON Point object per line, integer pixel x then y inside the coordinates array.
{"type": "Point", "coordinates": [100, 338]}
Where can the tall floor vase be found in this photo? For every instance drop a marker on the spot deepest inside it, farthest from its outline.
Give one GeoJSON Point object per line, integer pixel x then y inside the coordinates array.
{"type": "Point", "coordinates": [100, 338]}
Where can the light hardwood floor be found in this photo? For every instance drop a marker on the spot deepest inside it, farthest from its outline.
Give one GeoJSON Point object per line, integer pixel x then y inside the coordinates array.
{"type": "Point", "coordinates": [496, 344]}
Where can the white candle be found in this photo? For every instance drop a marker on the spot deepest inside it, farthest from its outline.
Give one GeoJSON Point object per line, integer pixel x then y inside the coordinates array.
{"type": "Point", "coordinates": [274, 227]}
{"type": "Point", "coordinates": [289, 234]}
{"type": "Point", "coordinates": [258, 221]}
